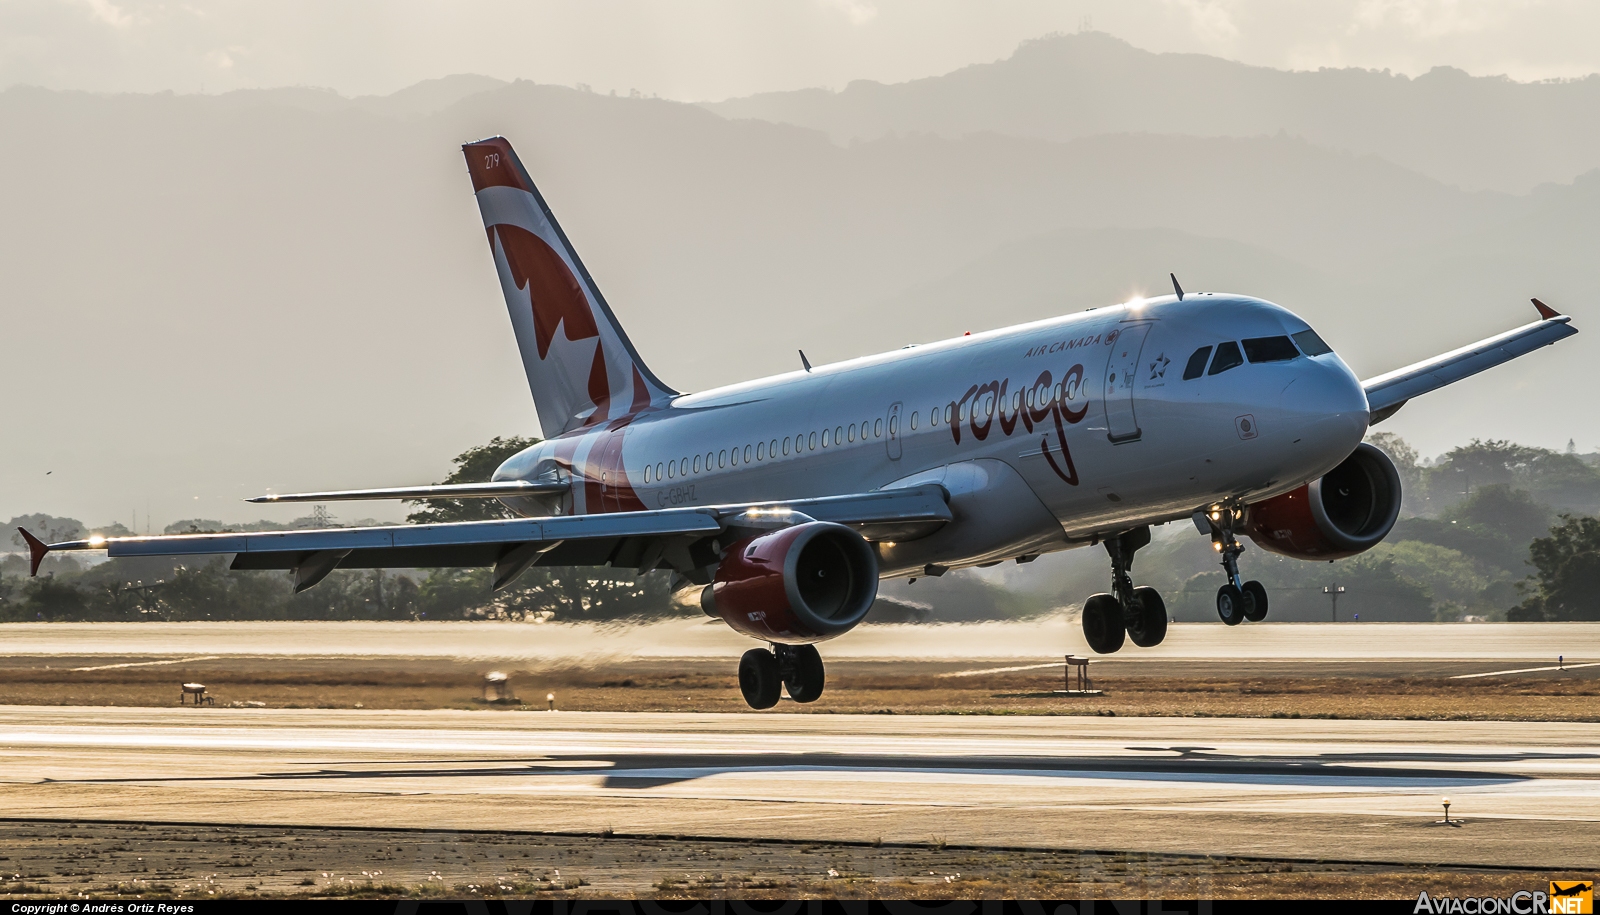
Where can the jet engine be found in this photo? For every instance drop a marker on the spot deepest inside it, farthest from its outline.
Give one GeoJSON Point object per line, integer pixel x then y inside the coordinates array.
{"type": "Point", "coordinates": [795, 585]}
{"type": "Point", "coordinates": [1348, 511]}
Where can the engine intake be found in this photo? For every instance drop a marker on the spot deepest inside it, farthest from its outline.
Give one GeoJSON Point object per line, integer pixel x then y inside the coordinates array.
{"type": "Point", "coordinates": [1348, 511]}
{"type": "Point", "coordinates": [800, 584]}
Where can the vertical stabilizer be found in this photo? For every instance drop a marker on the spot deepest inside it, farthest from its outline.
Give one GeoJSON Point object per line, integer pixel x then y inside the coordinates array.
{"type": "Point", "coordinates": [581, 366]}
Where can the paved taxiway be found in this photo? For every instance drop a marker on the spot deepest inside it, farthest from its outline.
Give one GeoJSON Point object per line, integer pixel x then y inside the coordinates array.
{"type": "Point", "coordinates": [1329, 789]}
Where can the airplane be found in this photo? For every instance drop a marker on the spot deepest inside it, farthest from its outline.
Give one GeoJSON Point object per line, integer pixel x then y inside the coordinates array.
{"type": "Point", "coordinates": [785, 500]}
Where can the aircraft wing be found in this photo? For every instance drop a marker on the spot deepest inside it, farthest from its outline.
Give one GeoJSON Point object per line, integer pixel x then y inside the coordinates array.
{"type": "Point", "coordinates": [1387, 393]}
{"type": "Point", "coordinates": [684, 539]}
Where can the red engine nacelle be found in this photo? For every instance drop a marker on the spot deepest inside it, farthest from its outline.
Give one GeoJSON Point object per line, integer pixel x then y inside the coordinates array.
{"type": "Point", "coordinates": [1346, 512]}
{"type": "Point", "coordinates": [796, 585]}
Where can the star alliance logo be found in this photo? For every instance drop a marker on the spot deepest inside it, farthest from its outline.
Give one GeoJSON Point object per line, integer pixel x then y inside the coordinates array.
{"type": "Point", "coordinates": [1158, 368]}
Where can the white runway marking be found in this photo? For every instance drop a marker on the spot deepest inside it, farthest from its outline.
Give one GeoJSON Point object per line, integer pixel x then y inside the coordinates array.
{"type": "Point", "coordinates": [1003, 670]}
{"type": "Point", "coordinates": [209, 657]}
{"type": "Point", "coordinates": [1523, 670]}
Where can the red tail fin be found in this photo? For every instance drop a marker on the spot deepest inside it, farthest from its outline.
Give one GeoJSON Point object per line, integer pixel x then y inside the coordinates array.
{"type": "Point", "coordinates": [581, 366]}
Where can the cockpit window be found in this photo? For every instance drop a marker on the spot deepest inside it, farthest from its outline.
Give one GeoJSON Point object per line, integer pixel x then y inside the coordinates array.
{"type": "Point", "coordinates": [1311, 344]}
{"type": "Point", "coordinates": [1228, 357]}
{"type": "Point", "coordinates": [1270, 349]}
{"type": "Point", "coordinates": [1197, 364]}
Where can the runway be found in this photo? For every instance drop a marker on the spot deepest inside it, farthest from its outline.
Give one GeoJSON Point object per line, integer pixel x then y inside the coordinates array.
{"type": "Point", "coordinates": [1356, 790]}
{"type": "Point", "coordinates": [1035, 640]}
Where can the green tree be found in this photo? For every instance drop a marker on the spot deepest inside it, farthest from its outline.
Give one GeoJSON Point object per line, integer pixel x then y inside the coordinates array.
{"type": "Point", "coordinates": [475, 465]}
{"type": "Point", "coordinates": [1568, 564]}
{"type": "Point", "coordinates": [1562, 480]}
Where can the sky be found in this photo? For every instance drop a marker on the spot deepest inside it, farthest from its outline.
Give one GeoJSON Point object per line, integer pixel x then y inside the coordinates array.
{"type": "Point", "coordinates": [703, 50]}
{"type": "Point", "coordinates": [105, 452]}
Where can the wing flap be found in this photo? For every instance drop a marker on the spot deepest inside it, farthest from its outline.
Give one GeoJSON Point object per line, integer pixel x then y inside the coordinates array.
{"type": "Point", "coordinates": [1388, 392]}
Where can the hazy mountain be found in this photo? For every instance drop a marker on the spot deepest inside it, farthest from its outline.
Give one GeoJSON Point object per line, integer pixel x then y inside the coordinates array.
{"type": "Point", "coordinates": [1475, 132]}
{"type": "Point", "coordinates": [208, 296]}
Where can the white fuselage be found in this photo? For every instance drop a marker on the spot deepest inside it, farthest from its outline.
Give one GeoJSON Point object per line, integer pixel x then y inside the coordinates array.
{"type": "Point", "coordinates": [1047, 435]}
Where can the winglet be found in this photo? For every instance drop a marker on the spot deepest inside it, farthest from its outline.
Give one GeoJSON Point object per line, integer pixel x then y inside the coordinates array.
{"type": "Point", "coordinates": [36, 551]}
{"type": "Point", "coordinates": [1545, 311]}
{"type": "Point", "coordinates": [804, 361]}
{"type": "Point", "coordinates": [1175, 287]}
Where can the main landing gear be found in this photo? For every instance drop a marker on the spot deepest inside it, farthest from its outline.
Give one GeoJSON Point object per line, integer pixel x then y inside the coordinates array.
{"type": "Point", "coordinates": [1236, 601]}
{"type": "Point", "coordinates": [764, 672]}
{"type": "Point", "coordinates": [1133, 613]}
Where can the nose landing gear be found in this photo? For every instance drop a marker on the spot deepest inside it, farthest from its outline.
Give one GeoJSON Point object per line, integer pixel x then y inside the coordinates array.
{"type": "Point", "coordinates": [1236, 601]}
{"type": "Point", "coordinates": [764, 673]}
{"type": "Point", "coordinates": [1137, 614]}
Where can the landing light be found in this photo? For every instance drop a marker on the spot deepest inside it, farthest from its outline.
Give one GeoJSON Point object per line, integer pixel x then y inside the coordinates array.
{"type": "Point", "coordinates": [1216, 545]}
{"type": "Point", "coordinates": [96, 540]}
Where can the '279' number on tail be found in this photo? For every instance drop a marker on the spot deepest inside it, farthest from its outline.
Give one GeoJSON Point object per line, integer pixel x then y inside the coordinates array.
{"type": "Point", "coordinates": [491, 160]}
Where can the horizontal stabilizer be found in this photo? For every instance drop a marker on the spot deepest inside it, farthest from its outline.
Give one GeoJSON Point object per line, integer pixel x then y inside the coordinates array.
{"type": "Point", "coordinates": [1389, 392]}
{"type": "Point", "coordinates": [501, 490]}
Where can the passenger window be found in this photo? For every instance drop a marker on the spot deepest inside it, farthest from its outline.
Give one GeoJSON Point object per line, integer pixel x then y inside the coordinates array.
{"type": "Point", "coordinates": [697, 463]}
{"type": "Point", "coordinates": [811, 442]}
{"type": "Point", "coordinates": [683, 467]}
{"type": "Point", "coordinates": [772, 449]}
{"type": "Point", "coordinates": [825, 438]}
{"type": "Point", "coordinates": [852, 432]}
{"type": "Point", "coordinates": [672, 469]}
{"type": "Point", "coordinates": [913, 422]}
{"type": "Point", "coordinates": [1197, 364]}
{"type": "Point", "coordinates": [747, 454]}
{"type": "Point", "coordinates": [1228, 357]}
{"type": "Point", "coordinates": [785, 446]}
{"type": "Point", "coordinates": [761, 451]}
{"type": "Point", "coordinates": [877, 428]}
{"type": "Point", "coordinates": [1270, 349]}
{"type": "Point", "coordinates": [1311, 344]}
{"type": "Point", "coordinates": [933, 417]}
{"type": "Point", "coordinates": [647, 473]}
{"type": "Point", "coordinates": [722, 459]}
{"type": "Point", "coordinates": [658, 473]}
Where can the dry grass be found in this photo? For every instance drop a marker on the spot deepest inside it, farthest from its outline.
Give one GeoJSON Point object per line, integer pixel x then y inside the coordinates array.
{"type": "Point", "coordinates": [52, 859]}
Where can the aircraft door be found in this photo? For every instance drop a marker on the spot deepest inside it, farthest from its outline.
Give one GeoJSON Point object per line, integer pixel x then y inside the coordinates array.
{"type": "Point", "coordinates": [1122, 370]}
{"type": "Point", "coordinates": [893, 442]}
{"type": "Point", "coordinates": [612, 476]}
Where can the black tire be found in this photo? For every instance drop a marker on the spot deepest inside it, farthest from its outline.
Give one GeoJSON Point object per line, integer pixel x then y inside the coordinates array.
{"type": "Point", "coordinates": [805, 685]}
{"type": "Point", "coordinates": [1102, 623]}
{"type": "Point", "coordinates": [1151, 626]}
{"type": "Point", "coordinates": [1231, 605]}
{"type": "Point", "coordinates": [1255, 605]}
{"type": "Point", "coordinates": [758, 678]}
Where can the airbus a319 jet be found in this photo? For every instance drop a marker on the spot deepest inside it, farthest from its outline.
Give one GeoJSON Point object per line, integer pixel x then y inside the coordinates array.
{"type": "Point", "coordinates": [785, 500]}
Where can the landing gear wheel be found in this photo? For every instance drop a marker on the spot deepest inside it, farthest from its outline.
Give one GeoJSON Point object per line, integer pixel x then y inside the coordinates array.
{"type": "Point", "coordinates": [1102, 623]}
{"type": "Point", "coordinates": [758, 678]}
{"type": "Point", "coordinates": [1231, 604]}
{"type": "Point", "coordinates": [1255, 606]}
{"type": "Point", "coordinates": [805, 680]}
{"type": "Point", "coordinates": [1150, 626]}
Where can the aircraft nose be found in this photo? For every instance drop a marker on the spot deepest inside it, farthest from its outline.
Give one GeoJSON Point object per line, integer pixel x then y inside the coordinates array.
{"type": "Point", "coordinates": [1327, 404]}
